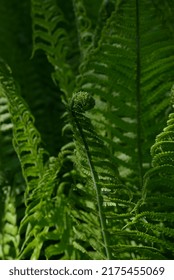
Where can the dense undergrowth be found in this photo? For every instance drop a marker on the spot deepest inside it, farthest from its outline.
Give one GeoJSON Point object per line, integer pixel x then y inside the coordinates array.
{"type": "Point", "coordinates": [86, 129]}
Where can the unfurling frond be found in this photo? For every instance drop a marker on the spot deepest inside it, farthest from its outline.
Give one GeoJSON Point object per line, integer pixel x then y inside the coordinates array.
{"type": "Point", "coordinates": [82, 102]}
{"type": "Point", "coordinates": [103, 200]}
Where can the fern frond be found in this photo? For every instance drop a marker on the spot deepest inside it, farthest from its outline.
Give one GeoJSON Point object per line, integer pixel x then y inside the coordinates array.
{"type": "Point", "coordinates": [157, 211]}
{"type": "Point", "coordinates": [165, 13]}
{"type": "Point", "coordinates": [12, 185]}
{"type": "Point", "coordinates": [92, 201]}
{"type": "Point", "coordinates": [9, 235]}
{"type": "Point", "coordinates": [49, 34]}
{"type": "Point", "coordinates": [40, 213]}
{"type": "Point", "coordinates": [6, 148]}
{"type": "Point", "coordinates": [106, 8]}
{"type": "Point", "coordinates": [35, 81]}
{"type": "Point", "coordinates": [129, 72]}
{"type": "Point", "coordinates": [161, 175]}
{"type": "Point", "coordinates": [40, 180]}
{"type": "Point", "coordinates": [83, 27]}
{"type": "Point", "coordinates": [97, 198]}
{"type": "Point", "coordinates": [26, 139]}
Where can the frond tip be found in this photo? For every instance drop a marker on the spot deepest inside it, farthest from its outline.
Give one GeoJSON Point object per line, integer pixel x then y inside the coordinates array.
{"type": "Point", "coordinates": [82, 101]}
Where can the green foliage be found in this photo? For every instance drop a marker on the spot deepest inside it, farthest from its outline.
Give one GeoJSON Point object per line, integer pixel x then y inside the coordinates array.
{"type": "Point", "coordinates": [86, 156]}
{"type": "Point", "coordinates": [9, 235]}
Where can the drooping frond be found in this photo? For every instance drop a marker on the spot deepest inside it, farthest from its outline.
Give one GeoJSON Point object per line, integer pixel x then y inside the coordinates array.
{"type": "Point", "coordinates": [45, 209]}
{"type": "Point", "coordinates": [26, 139]}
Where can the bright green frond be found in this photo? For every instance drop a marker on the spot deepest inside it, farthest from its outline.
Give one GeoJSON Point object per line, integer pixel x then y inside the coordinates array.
{"type": "Point", "coordinates": [41, 214]}
{"type": "Point", "coordinates": [158, 192]}
{"type": "Point", "coordinates": [9, 235]}
{"type": "Point", "coordinates": [26, 139]}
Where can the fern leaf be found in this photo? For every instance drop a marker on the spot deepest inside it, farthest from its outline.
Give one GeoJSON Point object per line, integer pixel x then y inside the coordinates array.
{"type": "Point", "coordinates": [156, 212]}
{"type": "Point", "coordinates": [49, 34]}
{"type": "Point", "coordinates": [26, 138]}
{"type": "Point", "coordinates": [130, 71]}
{"type": "Point", "coordinates": [102, 187]}
{"type": "Point", "coordinates": [163, 161]}
{"type": "Point", "coordinates": [164, 10]}
{"type": "Point", "coordinates": [83, 27]}
{"type": "Point", "coordinates": [9, 235]}
{"type": "Point", "coordinates": [104, 14]}
{"type": "Point", "coordinates": [37, 211]}
{"type": "Point", "coordinates": [12, 185]}
{"type": "Point", "coordinates": [6, 148]}
{"type": "Point", "coordinates": [46, 217]}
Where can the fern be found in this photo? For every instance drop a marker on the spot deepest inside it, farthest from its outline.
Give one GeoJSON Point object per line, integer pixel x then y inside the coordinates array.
{"type": "Point", "coordinates": [9, 236]}
{"type": "Point", "coordinates": [41, 208]}
{"type": "Point", "coordinates": [83, 26]}
{"type": "Point", "coordinates": [153, 222]}
{"type": "Point", "coordinates": [106, 196]}
{"type": "Point", "coordinates": [40, 179]}
{"type": "Point", "coordinates": [50, 36]}
{"type": "Point", "coordinates": [26, 138]}
{"type": "Point", "coordinates": [80, 174]}
{"type": "Point", "coordinates": [126, 73]}
{"type": "Point", "coordinates": [11, 186]}
{"type": "Point", "coordinates": [158, 182]}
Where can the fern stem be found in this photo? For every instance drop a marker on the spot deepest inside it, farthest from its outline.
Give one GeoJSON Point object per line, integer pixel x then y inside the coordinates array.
{"type": "Point", "coordinates": [95, 180]}
{"type": "Point", "coordinates": [138, 93]}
